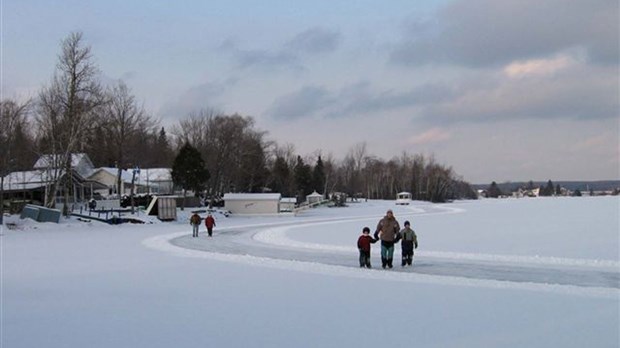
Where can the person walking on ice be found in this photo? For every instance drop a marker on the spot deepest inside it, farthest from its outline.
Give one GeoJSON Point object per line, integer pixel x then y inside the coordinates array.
{"type": "Point", "coordinates": [408, 243]}
{"type": "Point", "coordinates": [195, 222]}
{"type": "Point", "coordinates": [210, 223]}
{"type": "Point", "coordinates": [387, 230]}
{"type": "Point", "coordinates": [363, 245]}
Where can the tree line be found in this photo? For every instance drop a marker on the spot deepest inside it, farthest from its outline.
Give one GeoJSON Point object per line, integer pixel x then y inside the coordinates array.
{"type": "Point", "coordinates": [76, 113]}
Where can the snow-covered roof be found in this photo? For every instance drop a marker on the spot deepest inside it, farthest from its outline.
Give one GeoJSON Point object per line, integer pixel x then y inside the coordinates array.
{"type": "Point", "coordinates": [50, 160]}
{"type": "Point", "coordinates": [125, 174]}
{"type": "Point", "coordinates": [155, 174]}
{"type": "Point", "coordinates": [315, 194]}
{"type": "Point", "coordinates": [288, 200]}
{"type": "Point", "coordinates": [26, 180]}
{"type": "Point", "coordinates": [252, 196]}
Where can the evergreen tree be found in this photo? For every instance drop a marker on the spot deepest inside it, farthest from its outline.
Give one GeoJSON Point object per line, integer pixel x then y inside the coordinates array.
{"type": "Point", "coordinates": [303, 178]}
{"type": "Point", "coordinates": [493, 191]}
{"type": "Point", "coordinates": [547, 190]}
{"type": "Point", "coordinates": [318, 176]}
{"type": "Point", "coordinates": [281, 177]}
{"type": "Point", "coordinates": [164, 149]}
{"type": "Point", "coordinates": [189, 171]}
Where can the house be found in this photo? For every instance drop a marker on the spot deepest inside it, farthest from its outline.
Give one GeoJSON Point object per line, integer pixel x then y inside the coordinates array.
{"type": "Point", "coordinates": [287, 204]}
{"type": "Point", "coordinates": [108, 176]}
{"type": "Point", "coordinates": [314, 198]}
{"type": "Point", "coordinates": [403, 198]}
{"type": "Point", "coordinates": [156, 180]}
{"type": "Point", "coordinates": [148, 180]}
{"type": "Point", "coordinates": [252, 203]}
{"type": "Point", "coordinates": [34, 185]}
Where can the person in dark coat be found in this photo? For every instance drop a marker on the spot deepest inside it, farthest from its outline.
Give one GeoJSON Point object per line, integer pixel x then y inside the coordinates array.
{"type": "Point", "coordinates": [409, 242]}
{"type": "Point", "coordinates": [363, 245]}
{"type": "Point", "coordinates": [387, 230]}
{"type": "Point", "coordinates": [210, 223]}
{"type": "Point", "coordinates": [195, 222]}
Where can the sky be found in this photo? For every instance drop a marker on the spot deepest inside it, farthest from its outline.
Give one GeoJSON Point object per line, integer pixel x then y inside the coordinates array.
{"type": "Point", "coordinates": [511, 90]}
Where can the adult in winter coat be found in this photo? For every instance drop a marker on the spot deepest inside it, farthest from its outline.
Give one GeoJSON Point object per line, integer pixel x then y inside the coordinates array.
{"type": "Point", "coordinates": [408, 243]}
{"type": "Point", "coordinates": [194, 220]}
{"type": "Point", "coordinates": [210, 223]}
{"type": "Point", "coordinates": [363, 245]}
{"type": "Point", "coordinates": [387, 230]}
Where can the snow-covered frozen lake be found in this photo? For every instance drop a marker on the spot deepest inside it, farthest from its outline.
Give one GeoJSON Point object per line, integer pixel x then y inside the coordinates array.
{"type": "Point", "coordinates": [539, 272]}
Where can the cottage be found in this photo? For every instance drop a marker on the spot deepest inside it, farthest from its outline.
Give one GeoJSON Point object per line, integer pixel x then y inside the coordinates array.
{"type": "Point", "coordinates": [252, 203]}
{"type": "Point", "coordinates": [34, 185]}
{"type": "Point", "coordinates": [287, 204]}
{"type": "Point", "coordinates": [403, 198]}
{"type": "Point", "coordinates": [314, 198]}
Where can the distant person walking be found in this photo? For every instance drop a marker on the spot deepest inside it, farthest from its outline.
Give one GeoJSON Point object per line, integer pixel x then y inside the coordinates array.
{"type": "Point", "coordinates": [387, 230]}
{"type": "Point", "coordinates": [408, 243]}
{"type": "Point", "coordinates": [363, 245]}
{"type": "Point", "coordinates": [195, 222]}
{"type": "Point", "coordinates": [210, 223]}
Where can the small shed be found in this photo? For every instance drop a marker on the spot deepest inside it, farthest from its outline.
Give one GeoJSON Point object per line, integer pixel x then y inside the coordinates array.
{"type": "Point", "coordinates": [403, 198]}
{"type": "Point", "coordinates": [314, 198]}
{"type": "Point", "coordinates": [288, 203]}
{"type": "Point", "coordinates": [164, 207]}
{"type": "Point", "coordinates": [252, 203]}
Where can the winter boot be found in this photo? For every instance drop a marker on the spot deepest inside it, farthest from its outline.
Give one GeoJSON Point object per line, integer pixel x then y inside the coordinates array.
{"type": "Point", "coordinates": [409, 260]}
{"type": "Point", "coordinates": [404, 262]}
{"type": "Point", "coordinates": [389, 263]}
{"type": "Point", "coordinates": [383, 262]}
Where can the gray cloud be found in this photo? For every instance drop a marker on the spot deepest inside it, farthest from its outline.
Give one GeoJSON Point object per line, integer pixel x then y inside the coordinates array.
{"type": "Point", "coordinates": [480, 33]}
{"type": "Point", "coordinates": [292, 53]}
{"type": "Point", "coordinates": [313, 41]}
{"type": "Point", "coordinates": [305, 102]}
{"type": "Point", "coordinates": [578, 93]}
{"type": "Point", "coordinates": [267, 59]}
{"type": "Point", "coordinates": [204, 96]}
{"type": "Point", "coordinates": [355, 99]}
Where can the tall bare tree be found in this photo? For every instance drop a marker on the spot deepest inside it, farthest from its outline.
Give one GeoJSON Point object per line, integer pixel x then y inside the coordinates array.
{"type": "Point", "coordinates": [13, 118]}
{"type": "Point", "coordinates": [66, 109]}
{"type": "Point", "coordinates": [124, 119]}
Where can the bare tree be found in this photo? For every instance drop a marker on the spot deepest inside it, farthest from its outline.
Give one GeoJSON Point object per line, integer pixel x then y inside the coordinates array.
{"type": "Point", "coordinates": [13, 118]}
{"type": "Point", "coordinates": [123, 120]}
{"type": "Point", "coordinates": [66, 109]}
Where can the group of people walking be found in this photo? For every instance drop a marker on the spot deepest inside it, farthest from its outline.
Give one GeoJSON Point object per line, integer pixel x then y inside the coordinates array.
{"type": "Point", "coordinates": [195, 220]}
{"type": "Point", "coordinates": [389, 233]}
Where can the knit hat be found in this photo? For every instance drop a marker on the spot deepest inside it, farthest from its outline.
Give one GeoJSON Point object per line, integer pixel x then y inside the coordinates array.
{"type": "Point", "coordinates": [407, 223]}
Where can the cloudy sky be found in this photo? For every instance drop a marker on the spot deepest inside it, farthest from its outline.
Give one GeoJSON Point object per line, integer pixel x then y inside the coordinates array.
{"type": "Point", "coordinates": [500, 90]}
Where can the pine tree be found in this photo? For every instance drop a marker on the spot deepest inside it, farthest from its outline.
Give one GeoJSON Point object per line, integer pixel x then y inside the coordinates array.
{"type": "Point", "coordinates": [318, 176]}
{"type": "Point", "coordinates": [189, 171]}
{"type": "Point", "coordinates": [493, 191]}
{"type": "Point", "coordinates": [303, 178]}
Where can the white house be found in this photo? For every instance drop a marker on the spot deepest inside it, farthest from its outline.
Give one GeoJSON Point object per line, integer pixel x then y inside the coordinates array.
{"type": "Point", "coordinates": [403, 198]}
{"type": "Point", "coordinates": [109, 176]}
{"type": "Point", "coordinates": [288, 203]}
{"type": "Point", "coordinates": [33, 185]}
{"type": "Point", "coordinates": [156, 180]}
{"type": "Point", "coordinates": [252, 203]}
{"type": "Point", "coordinates": [314, 198]}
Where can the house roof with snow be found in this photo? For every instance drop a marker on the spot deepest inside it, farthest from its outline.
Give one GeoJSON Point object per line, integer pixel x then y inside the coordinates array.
{"type": "Point", "coordinates": [288, 200]}
{"type": "Point", "coordinates": [79, 162]}
{"type": "Point", "coordinates": [252, 196]}
{"type": "Point", "coordinates": [26, 180]}
{"type": "Point", "coordinates": [155, 174]}
{"type": "Point", "coordinates": [125, 174]}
